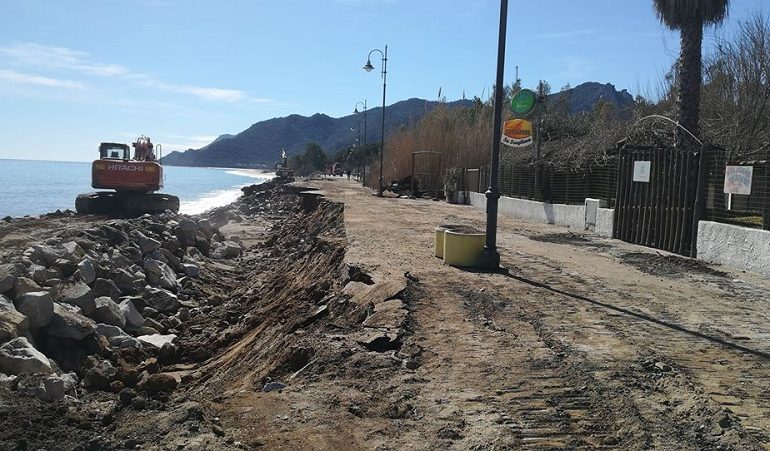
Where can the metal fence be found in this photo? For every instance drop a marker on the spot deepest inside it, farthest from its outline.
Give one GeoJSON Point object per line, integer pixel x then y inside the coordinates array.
{"type": "Point", "coordinates": [547, 184]}
{"type": "Point", "coordinates": [747, 206]}
{"type": "Point", "coordinates": [737, 190]}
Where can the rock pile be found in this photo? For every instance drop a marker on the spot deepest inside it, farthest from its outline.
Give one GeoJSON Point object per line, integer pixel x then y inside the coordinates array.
{"type": "Point", "coordinates": [100, 308]}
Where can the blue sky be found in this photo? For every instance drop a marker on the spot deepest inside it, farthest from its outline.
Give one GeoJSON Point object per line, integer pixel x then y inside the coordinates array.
{"type": "Point", "coordinates": [74, 73]}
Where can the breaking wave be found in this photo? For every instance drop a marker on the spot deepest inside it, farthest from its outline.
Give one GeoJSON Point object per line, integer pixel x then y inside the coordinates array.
{"type": "Point", "coordinates": [221, 197]}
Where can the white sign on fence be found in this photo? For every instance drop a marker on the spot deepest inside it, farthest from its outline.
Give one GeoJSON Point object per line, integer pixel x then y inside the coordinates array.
{"type": "Point", "coordinates": [738, 179]}
{"type": "Point", "coordinates": [642, 171]}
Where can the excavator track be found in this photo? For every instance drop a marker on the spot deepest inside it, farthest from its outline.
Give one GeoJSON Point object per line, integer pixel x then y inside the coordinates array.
{"type": "Point", "coordinates": [125, 204]}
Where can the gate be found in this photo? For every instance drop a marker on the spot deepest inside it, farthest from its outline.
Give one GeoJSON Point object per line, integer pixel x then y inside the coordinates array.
{"type": "Point", "coordinates": [426, 173]}
{"type": "Point", "coordinates": [656, 197]}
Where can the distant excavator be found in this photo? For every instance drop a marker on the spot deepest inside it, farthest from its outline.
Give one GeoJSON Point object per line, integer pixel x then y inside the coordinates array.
{"type": "Point", "coordinates": [134, 181]}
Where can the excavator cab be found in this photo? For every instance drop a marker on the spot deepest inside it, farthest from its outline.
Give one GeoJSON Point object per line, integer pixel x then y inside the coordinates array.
{"type": "Point", "coordinates": [114, 151]}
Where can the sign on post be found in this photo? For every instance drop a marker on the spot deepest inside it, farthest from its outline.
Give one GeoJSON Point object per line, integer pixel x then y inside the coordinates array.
{"type": "Point", "coordinates": [517, 133]}
{"type": "Point", "coordinates": [642, 171]}
{"type": "Point", "coordinates": [738, 179]}
{"type": "Point", "coordinates": [523, 102]}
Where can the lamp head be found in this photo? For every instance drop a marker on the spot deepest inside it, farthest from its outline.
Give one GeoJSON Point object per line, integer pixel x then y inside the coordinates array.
{"type": "Point", "coordinates": [355, 111]}
{"type": "Point", "coordinates": [368, 67]}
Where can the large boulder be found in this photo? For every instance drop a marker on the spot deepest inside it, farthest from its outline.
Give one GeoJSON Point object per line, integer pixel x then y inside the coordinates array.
{"type": "Point", "coordinates": [127, 281]}
{"type": "Point", "coordinates": [134, 319]}
{"type": "Point", "coordinates": [66, 266]}
{"type": "Point", "coordinates": [225, 250]}
{"type": "Point", "coordinates": [72, 251]}
{"type": "Point", "coordinates": [8, 274]}
{"type": "Point", "coordinates": [158, 382]}
{"type": "Point", "coordinates": [54, 387]}
{"type": "Point", "coordinates": [146, 244]}
{"type": "Point", "coordinates": [48, 387]}
{"type": "Point", "coordinates": [67, 322]}
{"type": "Point", "coordinates": [160, 274]}
{"type": "Point", "coordinates": [12, 323]}
{"type": "Point", "coordinates": [37, 306]}
{"type": "Point", "coordinates": [191, 270]}
{"type": "Point", "coordinates": [157, 340]}
{"type": "Point", "coordinates": [22, 286]}
{"type": "Point", "coordinates": [44, 255]}
{"type": "Point", "coordinates": [117, 337]}
{"type": "Point", "coordinates": [106, 287]}
{"type": "Point", "coordinates": [78, 294]}
{"type": "Point", "coordinates": [172, 260]}
{"type": "Point", "coordinates": [171, 244]}
{"type": "Point", "coordinates": [41, 274]}
{"type": "Point", "coordinates": [118, 260]}
{"type": "Point", "coordinates": [206, 228]}
{"type": "Point", "coordinates": [86, 271]}
{"type": "Point", "coordinates": [108, 312]}
{"type": "Point", "coordinates": [98, 373]}
{"type": "Point", "coordinates": [161, 300]}
{"type": "Point", "coordinates": [186, 231]}
{"type": "Point", "coordinates": [18, 356]}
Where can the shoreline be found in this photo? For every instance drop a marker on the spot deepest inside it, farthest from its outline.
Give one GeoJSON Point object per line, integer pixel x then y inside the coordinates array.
{"type": "Point", "coordinates": [216, 197]}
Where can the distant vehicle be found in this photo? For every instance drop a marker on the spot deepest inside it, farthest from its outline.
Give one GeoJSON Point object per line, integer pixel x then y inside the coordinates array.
{"type": "Point", "coordinates": [134, 181]}
{"type": "Point", "coordinates": [282, 168]}
{"type": "Point", "coordinates": [337, 169]}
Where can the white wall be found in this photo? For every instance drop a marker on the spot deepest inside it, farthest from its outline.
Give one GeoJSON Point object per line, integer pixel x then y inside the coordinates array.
{"type": "Point", "coordinates": [730, 245]}
{"type": "Point", "coordinates": [572, 216]}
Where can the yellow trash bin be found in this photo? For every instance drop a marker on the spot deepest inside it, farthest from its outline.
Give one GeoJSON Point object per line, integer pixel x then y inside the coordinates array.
{"type": "Point", "coordinates": [463, 246]}
{"type": "Point", "coordinates": [438, 241]}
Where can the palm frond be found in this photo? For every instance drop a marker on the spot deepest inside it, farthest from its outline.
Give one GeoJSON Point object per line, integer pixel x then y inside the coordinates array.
{"type": "Point", "coordinates": [675, 13]}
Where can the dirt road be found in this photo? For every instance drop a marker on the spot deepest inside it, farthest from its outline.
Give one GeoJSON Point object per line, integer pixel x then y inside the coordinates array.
{"type": "Point", "coordinates": [586, 343]}
{"type": "Point", "coordinates": [315, 339]}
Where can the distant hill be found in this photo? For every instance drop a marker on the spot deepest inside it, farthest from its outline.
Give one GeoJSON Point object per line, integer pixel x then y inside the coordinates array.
{"type": "Point", "coordinates": [220, 138]}
{"type": "Point", "coordinates": [261, 144]}
{"type": "Point", "coordinates": [583, 97]}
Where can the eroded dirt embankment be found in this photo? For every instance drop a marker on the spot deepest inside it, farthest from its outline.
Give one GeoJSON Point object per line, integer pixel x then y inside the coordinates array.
{"type": "Point", "coordinates": [157, 321]}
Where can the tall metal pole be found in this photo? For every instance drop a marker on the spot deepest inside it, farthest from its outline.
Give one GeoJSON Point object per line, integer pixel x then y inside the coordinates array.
{"type": "Point", "coordinates": [365, 153]}
{"type": "Point", "coordinates": [365, 150]}
{"type": "Point", "coordinates": [382, 136]}
{"type": "Point", "coordinates": [368, 67]}
{"type": "Point", "coordinates": [490, 257]}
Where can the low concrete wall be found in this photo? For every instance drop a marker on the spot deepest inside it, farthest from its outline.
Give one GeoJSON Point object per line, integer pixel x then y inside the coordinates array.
{"type": "Point", "coordinates": [572, 216]}
{"type": "Point", "coordinates": [739, 247]}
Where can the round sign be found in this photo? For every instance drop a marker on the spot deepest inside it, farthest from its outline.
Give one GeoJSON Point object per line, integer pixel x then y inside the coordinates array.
{"type": "Point", "coordinates": [523, 102]}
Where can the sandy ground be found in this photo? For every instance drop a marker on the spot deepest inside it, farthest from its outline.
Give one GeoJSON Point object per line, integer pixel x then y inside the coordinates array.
{"type": "Point", "coordinates": [585, 343]}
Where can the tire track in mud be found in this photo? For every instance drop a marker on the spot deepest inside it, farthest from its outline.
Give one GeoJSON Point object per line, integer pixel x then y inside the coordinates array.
{"type": "Point", "coordinates": [552, 400]}
{"type": "Point", "coordinates": [700, 393]}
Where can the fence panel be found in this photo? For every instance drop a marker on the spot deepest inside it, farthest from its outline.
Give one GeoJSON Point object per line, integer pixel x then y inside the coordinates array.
{"type": "Point", "coordinates": [748, 204]}
{"type": "Point", "coordinates": [548, 184]}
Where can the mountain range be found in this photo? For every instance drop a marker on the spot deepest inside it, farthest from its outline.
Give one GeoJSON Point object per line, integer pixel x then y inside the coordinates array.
{"type": "Point", "coordinates": [260, 145]}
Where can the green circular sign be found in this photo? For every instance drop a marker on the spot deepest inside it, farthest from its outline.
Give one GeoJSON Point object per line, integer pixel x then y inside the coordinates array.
{"type": "Point", "coordinates": [523, 102]}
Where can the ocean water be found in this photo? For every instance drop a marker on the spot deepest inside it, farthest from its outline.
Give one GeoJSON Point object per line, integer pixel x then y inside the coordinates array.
{"type": "Point", "coordinates": [38, 187]}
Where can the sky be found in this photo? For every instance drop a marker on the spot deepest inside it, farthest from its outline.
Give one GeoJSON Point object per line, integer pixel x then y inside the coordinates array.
{"type": "Point", "coordinates": [74, 73]}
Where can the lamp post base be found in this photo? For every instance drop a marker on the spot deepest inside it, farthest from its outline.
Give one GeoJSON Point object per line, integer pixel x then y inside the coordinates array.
{"type": "Point", "coordinates": [490, 260]}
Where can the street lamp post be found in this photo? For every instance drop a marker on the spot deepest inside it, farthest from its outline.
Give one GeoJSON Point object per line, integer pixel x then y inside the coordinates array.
{"type": "Point", "coordinates": [355, 111]}
{"type": "Point", "coordinates": [368, 67]}
{"type": "Point", "coordinates": [490, 256]}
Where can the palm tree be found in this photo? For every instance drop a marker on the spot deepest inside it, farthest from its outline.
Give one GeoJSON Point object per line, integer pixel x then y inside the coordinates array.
{"type": "Point", "coordinates": [689, 17]}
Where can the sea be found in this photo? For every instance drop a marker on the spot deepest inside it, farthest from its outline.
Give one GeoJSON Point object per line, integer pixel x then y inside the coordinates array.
{"type": "Point", "coordinates": [38, 187]}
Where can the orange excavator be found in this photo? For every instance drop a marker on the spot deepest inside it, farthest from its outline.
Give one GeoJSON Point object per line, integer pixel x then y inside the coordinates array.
{"type": "Point", "coordinates": [134, 181]}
